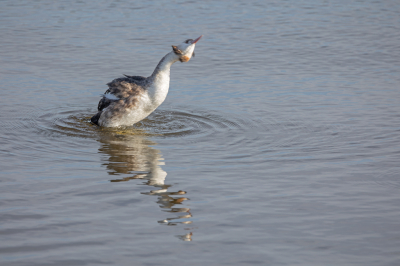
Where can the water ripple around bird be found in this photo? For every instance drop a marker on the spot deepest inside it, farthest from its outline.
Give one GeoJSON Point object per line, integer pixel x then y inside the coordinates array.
{"type": "Point", "coordinates": [249, 136]}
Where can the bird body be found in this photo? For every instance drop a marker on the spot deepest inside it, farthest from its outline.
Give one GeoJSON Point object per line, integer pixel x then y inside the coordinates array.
{"type": "Point", "coordinates": [130, 99]}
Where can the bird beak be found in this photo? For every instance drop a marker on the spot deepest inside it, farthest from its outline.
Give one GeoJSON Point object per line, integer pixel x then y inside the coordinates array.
{"type": "Point", "coordinates": [197, 39]}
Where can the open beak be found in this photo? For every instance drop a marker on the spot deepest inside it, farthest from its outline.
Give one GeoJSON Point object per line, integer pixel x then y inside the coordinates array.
{"type": "Point", "coordinates": [197, 39]}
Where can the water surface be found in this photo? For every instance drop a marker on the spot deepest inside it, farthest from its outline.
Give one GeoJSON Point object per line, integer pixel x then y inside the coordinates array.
{"type": "Point", "coordinates": [278, 144]}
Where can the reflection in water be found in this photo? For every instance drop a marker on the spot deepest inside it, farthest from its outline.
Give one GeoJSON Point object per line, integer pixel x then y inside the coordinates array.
{"type": "Point", "coordinates": [132, 155]}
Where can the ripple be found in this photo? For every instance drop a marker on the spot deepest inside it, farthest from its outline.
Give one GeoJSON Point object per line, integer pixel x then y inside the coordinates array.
{"type": "Point", "coordinates": [269, 132]}
{"type": "Point", "coordinates": [75, 122]}
{"type": "Point", "coordinates": [196, 125]}
{"type": "Point", "coordinates": [389, 179]}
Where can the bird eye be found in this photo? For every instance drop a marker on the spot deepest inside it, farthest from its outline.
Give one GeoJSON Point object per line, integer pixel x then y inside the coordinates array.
{"type": "Point", "coordinates": [189, 41]}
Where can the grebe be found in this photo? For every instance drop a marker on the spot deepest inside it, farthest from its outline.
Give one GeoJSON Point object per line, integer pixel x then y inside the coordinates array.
{"type": "Point", "coordinates": [132, 98]}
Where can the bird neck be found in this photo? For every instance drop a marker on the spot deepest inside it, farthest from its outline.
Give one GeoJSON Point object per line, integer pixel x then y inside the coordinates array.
{"type": "Point", "coordinates": [159, 80]}
{"type": "Point", "coordinates": [162, 70]}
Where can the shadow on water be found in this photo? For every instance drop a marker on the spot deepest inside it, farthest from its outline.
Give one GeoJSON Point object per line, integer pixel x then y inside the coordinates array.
{"type": "Point", "coordinates": [132, 157]}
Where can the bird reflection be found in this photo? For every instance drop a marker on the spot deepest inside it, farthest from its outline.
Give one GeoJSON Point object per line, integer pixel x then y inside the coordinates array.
{"type": "Point", "coordinates": [133, 155]}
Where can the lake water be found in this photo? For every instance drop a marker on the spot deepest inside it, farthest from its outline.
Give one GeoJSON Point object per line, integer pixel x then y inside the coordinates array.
{"type": "Point", "coordinates": [278, 144]}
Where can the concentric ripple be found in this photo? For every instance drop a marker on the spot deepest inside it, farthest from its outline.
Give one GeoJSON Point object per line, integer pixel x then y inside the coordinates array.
{"type": "Point", "coordinates": [184, 124]}
{"type": "Point", "coordinates": [75, 122]}
{"type": "Point", "coordinates": [197, 126]}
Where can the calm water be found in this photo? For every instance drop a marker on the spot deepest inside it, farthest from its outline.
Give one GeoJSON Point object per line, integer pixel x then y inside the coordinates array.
{"type": "Point", "coordinates": [278, 143]}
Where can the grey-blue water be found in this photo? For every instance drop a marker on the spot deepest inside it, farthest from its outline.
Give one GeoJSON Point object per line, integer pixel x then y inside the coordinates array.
{"type": "Point", "coordinates": [278, 144]}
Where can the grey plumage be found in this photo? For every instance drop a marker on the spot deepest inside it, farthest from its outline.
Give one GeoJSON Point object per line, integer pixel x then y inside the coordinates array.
{"type": "Point", "coordinates": [139, 78]}
{"type": "Point", "coordinates": [130, 99]}
{"type": "Point", "coordinates": [122, 88]}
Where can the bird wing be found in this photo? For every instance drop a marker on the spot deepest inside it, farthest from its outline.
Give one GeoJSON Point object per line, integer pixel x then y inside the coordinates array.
{"type": "Point", "coordinates": [104, 103]}
{"type": "Point", "coordinates": [138, 78]}
{"type": "Point", "coordinates": [121, 88]}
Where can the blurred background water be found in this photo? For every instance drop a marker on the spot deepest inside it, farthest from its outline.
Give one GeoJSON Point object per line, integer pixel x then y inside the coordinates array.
{"type": "Point", "coordinates": [278, 144]}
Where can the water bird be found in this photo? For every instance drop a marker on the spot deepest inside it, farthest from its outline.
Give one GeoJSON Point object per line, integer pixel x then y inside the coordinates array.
{"type": "Point", "coordinates": [130, 99]}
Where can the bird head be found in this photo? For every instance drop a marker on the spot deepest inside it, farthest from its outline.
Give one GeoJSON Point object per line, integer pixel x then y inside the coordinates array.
{"type": "Point", "coordinates": [185, 50]}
